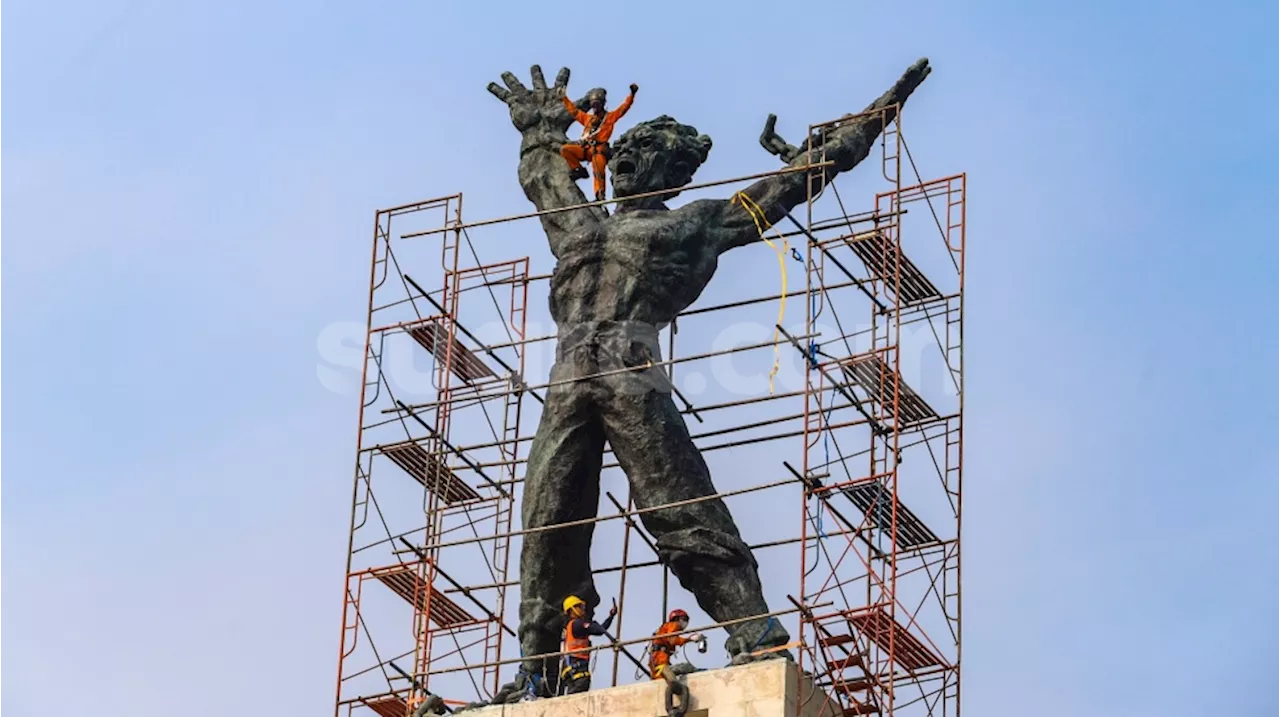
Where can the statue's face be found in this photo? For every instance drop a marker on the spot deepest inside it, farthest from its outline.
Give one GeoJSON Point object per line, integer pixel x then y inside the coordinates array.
{"type": "Point", "coordinates": [645, 160]}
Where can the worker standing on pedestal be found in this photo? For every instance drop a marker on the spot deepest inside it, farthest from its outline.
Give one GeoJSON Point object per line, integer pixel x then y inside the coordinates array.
{"type": "Point", "coordinates": [665, 642]}
{"type": "Point", "coordinates": [575, 674]}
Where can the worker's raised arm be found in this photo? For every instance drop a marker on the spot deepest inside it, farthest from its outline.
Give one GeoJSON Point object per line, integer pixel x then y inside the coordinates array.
{"type": "Point", "coordinates": [739, 221]}
{"type": "Point", "coordinates": [591, 627]}
{"type": "Point", "coordinates": [621, 109]}
{"type": "Point", "coordinates": [542, 118]}
{"type": "Point", "coordinates": [582, 117]}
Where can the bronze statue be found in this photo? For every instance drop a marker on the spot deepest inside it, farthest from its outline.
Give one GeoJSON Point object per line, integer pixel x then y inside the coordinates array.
{"type": "Point", "coordinates": [618, 280]}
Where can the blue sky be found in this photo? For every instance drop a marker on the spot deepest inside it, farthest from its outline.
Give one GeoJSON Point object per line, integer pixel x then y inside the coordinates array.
{"type": "Point", "coordinates": [190, 191]}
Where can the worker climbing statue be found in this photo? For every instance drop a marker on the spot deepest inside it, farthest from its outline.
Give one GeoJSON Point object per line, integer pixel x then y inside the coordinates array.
{"type": "Point", "coordinates": [618, 280]}
{"type": "Point", "coordinates": [597, 127]}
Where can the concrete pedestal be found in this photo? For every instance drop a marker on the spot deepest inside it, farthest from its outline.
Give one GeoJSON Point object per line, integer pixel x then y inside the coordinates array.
{"type": "Point", "coordinates": [771, 688]}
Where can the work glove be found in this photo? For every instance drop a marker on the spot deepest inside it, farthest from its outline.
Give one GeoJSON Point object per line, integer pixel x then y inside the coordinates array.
{"type": "Point", "coordinates": [613, 610]}
{"type": "Point", "coordinates": [634, 88]}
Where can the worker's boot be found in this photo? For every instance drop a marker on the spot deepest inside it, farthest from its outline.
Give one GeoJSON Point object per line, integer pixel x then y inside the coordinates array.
{"type": "Point", "coordinates": [600, 196]}
{"type": "Point", "coordinates": [578, 173]}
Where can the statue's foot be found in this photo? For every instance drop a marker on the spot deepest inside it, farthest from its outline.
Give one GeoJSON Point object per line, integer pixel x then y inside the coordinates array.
{"type": "Point", "coordinates": [432, 705]}
{"type": "Point", "coordinates": [680, 669]}
{"type": "Point", "coordinates": [759, 639]}
{"type": "Point", "coordinates": [744, 658]}
{"type": "Point", "coordinates": [525, 686]}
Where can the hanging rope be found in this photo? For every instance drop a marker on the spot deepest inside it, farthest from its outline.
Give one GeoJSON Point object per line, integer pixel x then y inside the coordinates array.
{"type": "Point", "coordinates": [762, 225]}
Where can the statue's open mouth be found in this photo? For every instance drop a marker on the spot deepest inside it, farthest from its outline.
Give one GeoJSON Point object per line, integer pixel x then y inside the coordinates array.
{"type": "Point", "coordinates": [625, 166]}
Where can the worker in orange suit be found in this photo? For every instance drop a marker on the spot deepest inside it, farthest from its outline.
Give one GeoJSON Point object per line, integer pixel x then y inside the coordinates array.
{"type": "Point", "coordinates": [597, 128]}
{"type": "Point", "coordinates": [665, 642]}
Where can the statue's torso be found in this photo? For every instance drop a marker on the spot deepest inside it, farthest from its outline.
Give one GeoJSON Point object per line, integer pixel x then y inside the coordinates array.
{"type": "Point", "coordinates": [644, 265]}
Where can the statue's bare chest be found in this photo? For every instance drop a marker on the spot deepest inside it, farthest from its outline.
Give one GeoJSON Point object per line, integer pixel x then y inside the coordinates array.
{"type": "Point", "coordinates": [644, 265]}
{"type": "Point", "coordinates": [638, 242]}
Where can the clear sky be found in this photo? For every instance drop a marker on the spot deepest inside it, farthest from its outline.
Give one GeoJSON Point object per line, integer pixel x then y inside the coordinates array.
{"type": "Point", "coordinates": [190, 190]}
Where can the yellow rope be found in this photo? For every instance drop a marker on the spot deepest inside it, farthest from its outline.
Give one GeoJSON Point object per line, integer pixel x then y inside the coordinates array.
{"type": "Point", "coordinates": [762, 225]}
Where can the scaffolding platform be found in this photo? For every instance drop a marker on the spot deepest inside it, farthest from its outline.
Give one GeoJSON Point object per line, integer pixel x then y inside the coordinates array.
{"type": "Point", "coordinates": [876, 503]}
{"type": "Point", "coordinates": [463, 363]}
{"type": "Point", "coordinates": [902, 278]}
{"type": "Point", "coordinates": [431, 472]}
{"type": "Point", "coordinates": [403, 580]}
{"type": "Point", "coordinates": [389, 706]}
{"type": "Point", "coordinates": [877, 627]}
{"type": "Point", "coordinates": [869, 372]}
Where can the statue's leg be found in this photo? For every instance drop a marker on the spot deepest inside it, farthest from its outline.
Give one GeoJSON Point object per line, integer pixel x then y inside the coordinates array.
{"type": "Point", "coordinates": [562, 483]}
{"type": "Point", "coordinates": [698, 541]}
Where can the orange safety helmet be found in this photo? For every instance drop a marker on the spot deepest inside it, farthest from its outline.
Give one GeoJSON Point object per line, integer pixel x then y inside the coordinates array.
{"type": "Point", "coordinates": [677, 614]}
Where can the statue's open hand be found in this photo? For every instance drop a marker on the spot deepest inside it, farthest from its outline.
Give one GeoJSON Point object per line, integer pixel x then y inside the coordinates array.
{"type": "Point", "coordinates": [537, 108]}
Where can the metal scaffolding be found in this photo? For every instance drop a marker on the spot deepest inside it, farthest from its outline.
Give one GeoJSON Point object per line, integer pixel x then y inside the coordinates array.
{"type": "Point", "coordinates": [866, 445]}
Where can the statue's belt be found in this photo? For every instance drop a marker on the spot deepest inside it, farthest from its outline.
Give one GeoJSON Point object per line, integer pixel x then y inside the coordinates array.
{"type": "Point", "coordinates": [609, 335]}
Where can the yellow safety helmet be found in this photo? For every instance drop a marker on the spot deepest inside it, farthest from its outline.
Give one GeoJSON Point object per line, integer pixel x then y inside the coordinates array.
{"type": "Point", "coordinates": [573, 601]}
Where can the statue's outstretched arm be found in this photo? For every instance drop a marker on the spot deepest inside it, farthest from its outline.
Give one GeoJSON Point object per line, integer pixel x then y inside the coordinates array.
{"type": "Point", "coordinates": [844, 147]}
{"type": "Point", "coordinates": [542, 118]}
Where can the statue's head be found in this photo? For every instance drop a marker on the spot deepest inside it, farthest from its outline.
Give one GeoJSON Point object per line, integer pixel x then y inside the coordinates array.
{"type": "Point", "coordinates": [656, 155]}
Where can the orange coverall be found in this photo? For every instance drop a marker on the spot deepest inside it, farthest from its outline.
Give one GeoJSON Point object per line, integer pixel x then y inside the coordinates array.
{"type": "Point", "coordinates": [594, 144]}
{"type": "Point", "coordinates": [662, 648]}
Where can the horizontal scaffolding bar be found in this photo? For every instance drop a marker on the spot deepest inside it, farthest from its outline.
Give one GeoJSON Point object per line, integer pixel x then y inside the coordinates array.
{"type": "Point", "coordinates": [703, 449]}
{"type": "Point", "coordinates": [617, 372]}
{"type": "Point", "coordinates": [602, 518]}
{"type": "Point", "coordinates": [645, 195]}
{"type": "Point", "coordinates": [658, 563]}
{"type": "Point", "coordinates": [700, 409]}
{"type": "Point", "coordinates": [624, 643]}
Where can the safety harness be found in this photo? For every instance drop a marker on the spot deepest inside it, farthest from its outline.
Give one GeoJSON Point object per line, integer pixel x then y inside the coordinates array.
{"type": "Point", "coordinates": [576, 664]}
{"type": "Point", "coordinates": [660, 646]}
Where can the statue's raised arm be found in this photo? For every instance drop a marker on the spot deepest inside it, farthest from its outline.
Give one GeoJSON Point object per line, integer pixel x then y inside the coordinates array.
{"type": "Point", "coordinates": [844, 147]}
{"type": "Point", "coordinates": [542, 119]}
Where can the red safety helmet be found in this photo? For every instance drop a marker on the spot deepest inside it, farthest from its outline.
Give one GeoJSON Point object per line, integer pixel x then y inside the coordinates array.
{"type": "Point", "coordinates": [677, 614]}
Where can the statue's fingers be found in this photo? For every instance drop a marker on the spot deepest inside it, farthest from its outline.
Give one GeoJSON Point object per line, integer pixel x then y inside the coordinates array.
{"type": "Point", "coordinates": [562, 78]}
{"type": "Point", "coordinates": [911, 79]}
{"type": "Point", "coordinates": [513, 82]}
{"type": "Point", "coordinates": [498, 91]}
{"type": "Point", "coordinates": [769, 138]}
{"type": "Point", "coordinates": [539, 82]}
{"type": "Point", "coordinates": [769, 125]}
